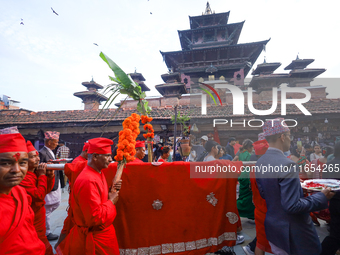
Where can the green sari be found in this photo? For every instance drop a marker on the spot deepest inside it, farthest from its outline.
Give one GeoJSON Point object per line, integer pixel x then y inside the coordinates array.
{"type": "Point", "coordinates": [245, 204]}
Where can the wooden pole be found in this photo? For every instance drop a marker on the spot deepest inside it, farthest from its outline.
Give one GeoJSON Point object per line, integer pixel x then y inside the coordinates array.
{"type": "Point", "coordinates": [118, 175]}
{"type": "Point", "coordinates": [150, 152]}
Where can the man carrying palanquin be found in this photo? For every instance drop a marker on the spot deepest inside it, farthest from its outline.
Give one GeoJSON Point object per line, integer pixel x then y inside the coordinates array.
{"type": "Point", "coordinates": [38, 182]}
{"type": "Point", "coordinates": [17, 233]}
{"type": "Point", "coordinates": [93, 206]}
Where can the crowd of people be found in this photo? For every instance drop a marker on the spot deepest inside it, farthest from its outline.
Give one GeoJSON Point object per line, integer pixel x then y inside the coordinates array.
{"type": "Point", "coordinates": [284, 213]}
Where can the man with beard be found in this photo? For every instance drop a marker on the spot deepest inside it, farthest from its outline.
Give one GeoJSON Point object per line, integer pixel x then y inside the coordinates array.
{"type": "Point", "coordinates": [17, 233]}
{"type": "Point", "coordinates": [38, 182]}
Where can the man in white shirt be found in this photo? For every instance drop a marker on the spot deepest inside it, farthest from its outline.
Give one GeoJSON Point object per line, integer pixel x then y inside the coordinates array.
{"type": "Point", "coordinates": [53, 198]}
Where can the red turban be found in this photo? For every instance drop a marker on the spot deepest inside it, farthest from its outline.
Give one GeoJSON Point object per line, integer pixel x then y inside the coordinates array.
{"type": "Point", "coordinates": [140, 144]}
{"type": "Point", "coordinates": [30, 147]}
{"type": "Point", "coordinates": [100, 146]}
{"type": "Point", "coordinates": [86, 146]}
{"type": "Point", "coordinates": [260, 147]}
{"type": "Point", "coordinates": [12, 143]}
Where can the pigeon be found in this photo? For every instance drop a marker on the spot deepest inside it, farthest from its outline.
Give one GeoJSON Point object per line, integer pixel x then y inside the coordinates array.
{"type": "Point", "coordinates": [54, 11]}
{"type": "Point", "coordinates": [95, 44]}
{"type": "Point", "coordinates": [22, 23]}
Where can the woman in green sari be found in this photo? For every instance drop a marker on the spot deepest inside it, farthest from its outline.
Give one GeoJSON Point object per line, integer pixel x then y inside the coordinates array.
{"type": "Point", "coordinates": [245, 204]}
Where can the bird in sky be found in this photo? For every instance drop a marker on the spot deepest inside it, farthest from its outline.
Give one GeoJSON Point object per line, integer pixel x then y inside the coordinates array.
{"type": "Point", "coordinates": [54, 11]}
{"type": "Point", "coordinates": [150, 12]}
{"type": "Point", "coordinates": [95, 44]}
{"type": "Point", "coordinates": [22, 23]}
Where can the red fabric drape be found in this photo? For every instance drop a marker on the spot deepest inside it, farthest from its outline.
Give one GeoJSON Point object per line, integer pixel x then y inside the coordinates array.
{"type": "Point", "coordinates": [187, 223]}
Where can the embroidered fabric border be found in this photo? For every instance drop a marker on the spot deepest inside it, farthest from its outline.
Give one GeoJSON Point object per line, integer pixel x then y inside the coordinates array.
{"type": "Point", "coordinates": [180, 247]}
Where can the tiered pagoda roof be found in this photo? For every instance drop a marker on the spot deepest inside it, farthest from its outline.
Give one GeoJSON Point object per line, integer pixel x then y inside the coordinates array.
{"type": "Point", "coordinates": [212, 42]}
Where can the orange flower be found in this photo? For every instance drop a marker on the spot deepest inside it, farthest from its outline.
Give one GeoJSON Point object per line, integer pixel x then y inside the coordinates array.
{"type": "Point", "coordinates": [127, 139]}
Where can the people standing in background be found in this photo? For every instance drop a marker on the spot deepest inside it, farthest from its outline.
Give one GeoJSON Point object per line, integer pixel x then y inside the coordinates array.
{"type": "Point", "coordinates": [63, 151]}
{"type": "Point", "coordinates": [317, 153]}
{"type": "Point", "coordinates": [53, 198]}
{"type": "Point", "coordinates": [230, 147]}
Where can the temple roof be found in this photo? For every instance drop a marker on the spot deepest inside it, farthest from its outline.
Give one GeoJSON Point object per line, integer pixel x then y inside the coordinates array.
{"type": "Point", "coordinates": [232, 57]}
{"type": "Point", "coordinates": [231, 35]}
{"type": "Point", "coordinates": [92, 84]}
{"type": "Point", "coordinates": [306, 73]}
{"type": "Point", "coordinates": [65, 118]}
{"type": "Point", "coordinates": [90, 94]}
{"type": "Point", "coordinates": [266, 68]}
{"type": "Point", "coordinates": [209, 20]}
{"type": "Point", "coordinates": [299, 64]}
{"type": "Point", "coordinates": [139, 78]}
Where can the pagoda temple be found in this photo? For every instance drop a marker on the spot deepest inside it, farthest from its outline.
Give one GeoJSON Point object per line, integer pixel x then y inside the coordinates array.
{"type": "Point", "coordinates": [91, 98]}
{"type": "Point", "coordinates": [210, 48]}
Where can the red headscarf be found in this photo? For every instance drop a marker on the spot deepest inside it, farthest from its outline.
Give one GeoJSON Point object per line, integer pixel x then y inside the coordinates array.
{"type": "Point", "coordinates": [140, 144]}
{"type": "Point", "coordinates": [86, 146]}
{"type": "Point", "coordinates": [30, 146]}
{"type": "Point", "coordinates": [12, 142]}
{"type": "Point", "coordinates": [100, 146]}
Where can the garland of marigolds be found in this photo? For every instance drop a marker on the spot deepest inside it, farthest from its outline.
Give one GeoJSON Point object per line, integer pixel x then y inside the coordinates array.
{"type": "Point", "coordinates": [127, 139]}
{"type": "Point", "coordinates": [150, 132]}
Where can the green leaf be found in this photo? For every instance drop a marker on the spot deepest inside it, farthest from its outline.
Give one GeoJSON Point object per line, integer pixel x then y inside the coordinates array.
{"type": "Point", "coordinates": [124, 79]}
{"type": "Point", "coordinates": [142, 95]}
{"type": "Point", "coordinates": [114, 79]}
{"type": "Point", "coordinates": [124, 91]}
{"type": "Point", "coordinates": [139, 107]}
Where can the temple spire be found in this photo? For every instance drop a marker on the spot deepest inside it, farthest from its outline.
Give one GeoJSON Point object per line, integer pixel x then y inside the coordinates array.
{"type": "Point", "coordinates": [207, 9]}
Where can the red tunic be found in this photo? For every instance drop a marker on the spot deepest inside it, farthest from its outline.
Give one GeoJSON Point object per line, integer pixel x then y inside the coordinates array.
{"type": "Point", "coordinates": [260, 215]}
{"type": "Point", "coordinates": [17, 233]}
{"type": "Point", "coordinates": [71, 171]}
{"type": "Point", "coordinates": [79, 159]}
{"type": "Point", "coordinates": [37, 188]}
{"type": "Point", "coordinates": [93, 215]}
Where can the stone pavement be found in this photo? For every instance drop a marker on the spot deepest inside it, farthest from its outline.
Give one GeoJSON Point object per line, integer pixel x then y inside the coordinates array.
{"type": "Point", "coordinates": [248, 231]}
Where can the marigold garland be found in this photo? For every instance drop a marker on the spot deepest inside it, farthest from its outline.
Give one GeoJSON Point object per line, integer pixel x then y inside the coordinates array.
{"type": "Point", "coordinates": [148, 127]}
{"type": "Point", "coordinates": [127, 139]}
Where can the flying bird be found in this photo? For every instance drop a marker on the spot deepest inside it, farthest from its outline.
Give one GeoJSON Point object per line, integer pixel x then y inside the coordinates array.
{"type": "Point", "coordinates": [95, 44]}
{"type": "Point", "coordinates": [22, 23]}
{"type": "Point", "coordinates": [54, 11]}
{"type": "Point", "coordinates": [150, 12]}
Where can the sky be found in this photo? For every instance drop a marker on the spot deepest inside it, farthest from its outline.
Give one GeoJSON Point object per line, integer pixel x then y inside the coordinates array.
{"type": "Point", "coordinates": [44, 61]}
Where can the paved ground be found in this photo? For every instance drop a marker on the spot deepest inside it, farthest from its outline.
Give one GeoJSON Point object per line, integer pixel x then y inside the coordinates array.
{"type": "Point", "coordinates": [58, 216]}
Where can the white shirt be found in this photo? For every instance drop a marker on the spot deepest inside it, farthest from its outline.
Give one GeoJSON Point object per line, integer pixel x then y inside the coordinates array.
{"type": "Point", "coordinates": [54, 196]}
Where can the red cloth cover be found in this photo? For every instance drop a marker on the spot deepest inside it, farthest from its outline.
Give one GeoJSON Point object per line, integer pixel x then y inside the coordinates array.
{"type": "Point", "coordinates": [17, 233]}
{"type": "Point", "coordinates": [187, 223]}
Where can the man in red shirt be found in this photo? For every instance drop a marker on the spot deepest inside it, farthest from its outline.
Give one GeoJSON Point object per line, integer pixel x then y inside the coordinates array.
{"type": "Point", "coordinates": [140, 151]}
{"type": "Point", "coordinates": [17, 233]}
{"type": "Point", "coordinates": [38, 182]}
{"type": "Point", "coordinates": [83, 154]}
{"type": "Point", "coordinates": [93, 206]}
